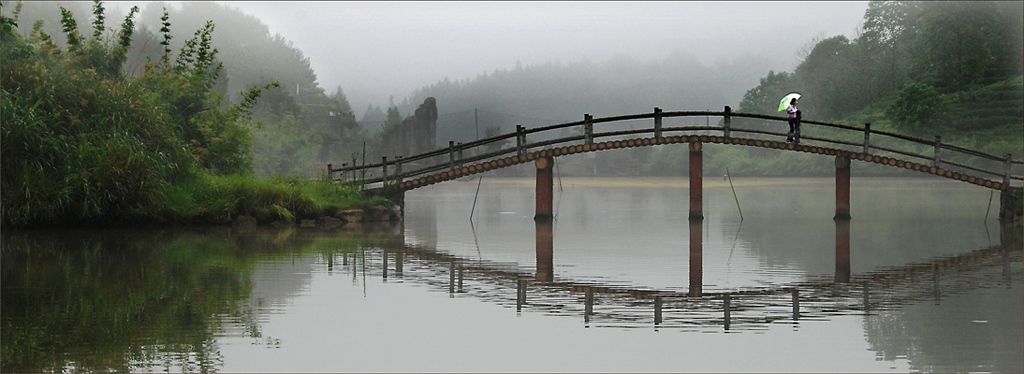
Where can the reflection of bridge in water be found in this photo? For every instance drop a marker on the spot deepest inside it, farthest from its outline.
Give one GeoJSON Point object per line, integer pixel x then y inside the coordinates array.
{"type": "Point", "coordinates": [511, 284]}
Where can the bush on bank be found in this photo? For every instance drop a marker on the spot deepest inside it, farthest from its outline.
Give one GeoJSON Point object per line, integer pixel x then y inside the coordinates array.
{"type": "Point", "coordinates": [84, 144]}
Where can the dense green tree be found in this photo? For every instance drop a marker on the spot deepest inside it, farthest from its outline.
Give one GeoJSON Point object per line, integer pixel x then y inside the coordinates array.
{"type": "Point", "coordinates": [764, 98]}
{"type": "Point", "coordinates": [886, 25]}
{"type": "Point", "coordinates": [956, 44]}
{"type": "Point", "coordinates": [919, 107]}
{"type": "Point", "coordinates": [828, 77]}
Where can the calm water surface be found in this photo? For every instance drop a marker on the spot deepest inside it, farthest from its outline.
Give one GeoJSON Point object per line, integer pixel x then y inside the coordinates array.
{"type": "Point", "coordinates": [942, 285]}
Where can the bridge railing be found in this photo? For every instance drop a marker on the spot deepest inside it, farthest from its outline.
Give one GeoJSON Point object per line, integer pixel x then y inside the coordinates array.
{"type": "Point", "coordinates": [851, 138]}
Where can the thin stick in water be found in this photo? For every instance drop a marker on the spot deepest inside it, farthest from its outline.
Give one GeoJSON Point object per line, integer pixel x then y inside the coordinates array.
{"type": "Point", "coordinates": [559, 174]}
{"type": "Point", "coordinates": [474, 198]}
{"type": "Point", "coordinates": [734, 240]}
{"type": "Point", "coordinates": [734, 193]}
{"type": "Point", "coordinates": [480, 257]}
{"type": "Point", "coordinates": [989, 207]}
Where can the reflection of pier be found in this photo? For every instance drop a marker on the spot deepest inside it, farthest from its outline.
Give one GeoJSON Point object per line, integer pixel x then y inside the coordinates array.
{"type": "Point", "coordinates": [629, 306]}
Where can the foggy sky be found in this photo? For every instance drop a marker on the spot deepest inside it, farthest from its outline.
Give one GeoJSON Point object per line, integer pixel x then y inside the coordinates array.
{"type": "Point", "coordinates": [374, 50]}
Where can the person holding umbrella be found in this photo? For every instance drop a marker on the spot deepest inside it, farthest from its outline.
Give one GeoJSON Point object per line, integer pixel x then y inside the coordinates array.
{"type": "Point", "coordinates": [794, 122]}
{"type": "Point", "coordinates": [788, 103]}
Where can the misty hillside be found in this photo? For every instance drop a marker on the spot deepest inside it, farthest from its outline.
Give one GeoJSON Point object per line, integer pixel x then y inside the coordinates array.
{"type": "Point", "coordinates": [551, 93]}
{"type": "Point", "coordinates": [919, 68]}
{"type": "Point", "coordinates": [250, 53]}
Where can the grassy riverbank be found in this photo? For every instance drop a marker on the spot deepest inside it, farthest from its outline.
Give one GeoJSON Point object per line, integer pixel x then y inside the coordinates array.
{"type": "Point", "coordinates": [218, 199]}
{"type": "Point", "coordinates": [207, 200]}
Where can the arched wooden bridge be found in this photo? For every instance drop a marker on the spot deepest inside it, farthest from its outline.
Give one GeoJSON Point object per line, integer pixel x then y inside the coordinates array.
{"type": "Point", "coordinates": [845, 143]}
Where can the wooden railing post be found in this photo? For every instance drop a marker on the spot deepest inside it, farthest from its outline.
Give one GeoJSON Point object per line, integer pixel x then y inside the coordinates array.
{"type": "Point", "coordinates": [451, 155]}
{"type": "Point", "coordinates": [398, 169]}
{"type": "Point", "coordinates": [867, 138]}
{"type": "Point", "coordinates": [451, 277]}
{"type": "Point", "coordinates": [329, 173]}
{"type": "Point", "coordinates": [461, 270]}
{"type": "Point", "coordinates": [459, 156]}
{"type": "Point", "coordinates": [520, 294]}
{"type": "Point", "coordinates": [588, 129]}
{"type": "Point", "coordinates": [796, 303]}
{"type": "Point", "coordinates": [657, 310]}
{"type": "Point", "coordinates": [384, 162]}
{"type": "Point", "coordinates": [520, 139]}
{"type": "Point", "coordinates": [938, 146]}
{"type": "Point", "coordinates": [727, 121]}
{"type": "Point", "coordinates": [657, 122]}
{"type": "Point", "coordinates": [588, 304]}
{"type": "Point", "coordinates": [727, 307]}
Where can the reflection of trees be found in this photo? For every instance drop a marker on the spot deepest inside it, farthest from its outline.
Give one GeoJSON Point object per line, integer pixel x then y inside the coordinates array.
{"type": "Point", "coordinates": [131, 300]}
{"type": "Point", "coordinates": [793, 225]}
{"type": "Point", "coordinates": [932, 335]}
{"type": "Point", "coordinates": [108, 300]}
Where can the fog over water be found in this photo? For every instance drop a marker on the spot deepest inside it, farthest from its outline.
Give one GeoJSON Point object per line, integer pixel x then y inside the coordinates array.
{"type": "Point", "coordinates": [374, 50]}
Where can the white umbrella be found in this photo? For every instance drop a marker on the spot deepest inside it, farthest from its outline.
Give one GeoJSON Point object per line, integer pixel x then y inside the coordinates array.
{"type": "Point", "coordinates": [786, 99]}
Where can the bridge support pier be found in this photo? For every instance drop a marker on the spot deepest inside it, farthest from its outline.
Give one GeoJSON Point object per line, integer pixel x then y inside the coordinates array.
{"type": "Point", "coordinates": [842, 251]}
{"type": "Point", "coordinates": [545, 183]}
{"type": "Point", "coordinates": [842, 188]}
{"type": "Point", "coordinates": [545, 251]}
{"type": "Point", "coordinates": [696, 219]}
{"type": "Point", "coordinates": [696, 257]}
{"type": "Point", "coordinates": [696, 181]}
{"type": "Point", "coordinates": [842, 219]}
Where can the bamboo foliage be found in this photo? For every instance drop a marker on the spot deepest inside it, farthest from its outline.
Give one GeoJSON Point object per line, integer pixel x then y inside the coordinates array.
{"type": "Point", "coordinates": [84, 143]}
